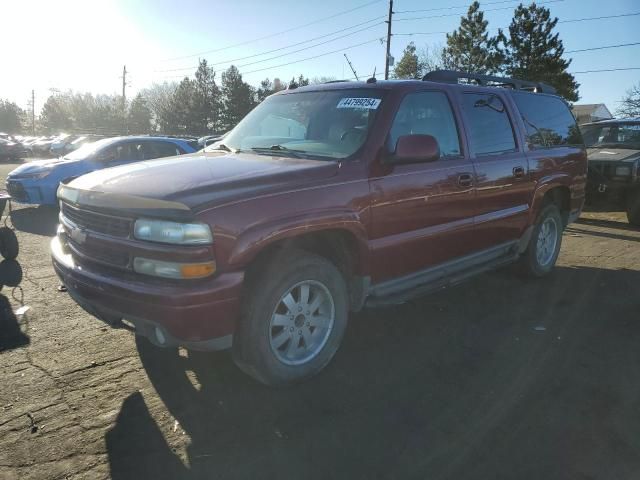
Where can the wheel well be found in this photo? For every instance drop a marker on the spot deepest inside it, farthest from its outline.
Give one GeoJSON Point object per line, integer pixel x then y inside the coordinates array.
{"type": "Point", "coordinates": [340, 247]}
{"type": "Point", "coordinates": [561, 197]}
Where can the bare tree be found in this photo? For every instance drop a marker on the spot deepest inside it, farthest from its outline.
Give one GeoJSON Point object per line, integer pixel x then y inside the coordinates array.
{"type": "Point", "coordinates": [630, 103]}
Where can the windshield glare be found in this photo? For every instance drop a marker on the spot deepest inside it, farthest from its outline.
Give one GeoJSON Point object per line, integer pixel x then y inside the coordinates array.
{"type": "Point", "coordinates": [331, 124]}
{"type": "Point", "coordinates": [621, 135]}
{"type": "Point", "coordinates": [87, 150]}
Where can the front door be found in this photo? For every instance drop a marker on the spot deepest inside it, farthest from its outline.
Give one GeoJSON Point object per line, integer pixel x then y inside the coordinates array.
{"type": "Point", "coordinates": [422, 214]}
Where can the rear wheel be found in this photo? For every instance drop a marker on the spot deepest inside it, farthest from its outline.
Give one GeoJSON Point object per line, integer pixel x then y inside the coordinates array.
{"type": "Point", "coordinates": [633, 209]}
{"type": "Point", "coordinates": [294, 321]}
{"type": "Point", "coordinates": [544, 246]}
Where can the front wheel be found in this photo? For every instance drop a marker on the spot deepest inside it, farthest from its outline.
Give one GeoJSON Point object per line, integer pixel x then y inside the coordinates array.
{"type": "Point", "coordinates": [295, 319]}
{"type": "Point", "coordinates": [544, 246]}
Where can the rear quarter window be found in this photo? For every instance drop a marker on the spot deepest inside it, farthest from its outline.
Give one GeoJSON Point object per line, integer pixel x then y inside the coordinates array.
{"type": "Point", "coordinates": [548, 120]}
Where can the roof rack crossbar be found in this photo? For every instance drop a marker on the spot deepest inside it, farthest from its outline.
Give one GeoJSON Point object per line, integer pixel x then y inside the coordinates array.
{"type": "Point", "coordinates": [451, 76]}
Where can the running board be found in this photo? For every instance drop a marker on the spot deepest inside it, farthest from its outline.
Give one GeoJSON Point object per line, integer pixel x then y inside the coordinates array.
{"type": "Point", "coordinates": [443, 276]}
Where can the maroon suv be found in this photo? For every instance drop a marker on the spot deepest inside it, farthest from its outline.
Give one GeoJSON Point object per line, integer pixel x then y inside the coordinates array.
{"type": "Point", "coordinates": [324, 199]}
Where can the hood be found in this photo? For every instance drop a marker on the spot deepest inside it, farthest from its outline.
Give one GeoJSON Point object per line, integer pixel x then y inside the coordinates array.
{"type": "Point", "coordinates": [613, 154]}
{"type": "Point", "coordinates": [207, 178]}
{"type": "Point", "coordinates": [41, 165]}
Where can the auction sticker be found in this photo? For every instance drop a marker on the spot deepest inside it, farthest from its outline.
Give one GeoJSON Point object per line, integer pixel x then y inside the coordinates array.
{"type": "Point", "coordinates": [364, 103]}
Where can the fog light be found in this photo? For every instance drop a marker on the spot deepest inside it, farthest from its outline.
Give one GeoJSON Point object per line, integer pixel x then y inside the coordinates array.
{"type": "Point", "coordinates": [159, 268]}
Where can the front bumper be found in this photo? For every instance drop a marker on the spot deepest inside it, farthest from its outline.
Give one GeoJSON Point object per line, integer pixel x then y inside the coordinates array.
{"type": "Point", "coordinates": [200, 315]}
{"type": "Point", "coordinates": [29, 192]}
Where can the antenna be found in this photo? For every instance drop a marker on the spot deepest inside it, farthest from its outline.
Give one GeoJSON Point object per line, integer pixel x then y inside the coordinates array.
{"type": "Point", "coordinates": [351, 66]}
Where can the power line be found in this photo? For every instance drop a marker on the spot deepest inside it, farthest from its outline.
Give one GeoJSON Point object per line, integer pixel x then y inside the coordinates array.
{"type": "Point", "coordinates": [600, 18]}
{"type": "Point", "coordinates": [573, 20]}
{"type": "Point", "coordinates": [603, 47]}
{"type": "Point", "coordinates": [451, 7]}
{"type": "Point", "coordinates": [271, 35]}
{"type": "Point", "coordinates": [606, 70]}
{"type": "Point", "coordinates": [284, 48]}
{"type": "Point", "coordinates": [459, 14]}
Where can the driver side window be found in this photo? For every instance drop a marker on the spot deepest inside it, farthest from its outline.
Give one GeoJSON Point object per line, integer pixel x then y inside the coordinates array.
{"type": "Point", "coordinates": [427, 113]}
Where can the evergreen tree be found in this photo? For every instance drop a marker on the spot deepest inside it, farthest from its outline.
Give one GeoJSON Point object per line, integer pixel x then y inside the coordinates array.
{"type": "Point", "coordinates": [206, 103]}
{"type": "Point", "coordinates": [139, 116]}
{"type": "Point", "coordinates": [470, 48]}
{"type": "Point", "coordinates": [181, 118]}
{"type": "Point", "coordinates": [629, 106]}
{"type": "Point", "coordinates": [409, 65]}
{"type": "Point", "coordinates": [55, 116]}
{"type": "Point", "coordinates": [238, 98]}
{"type": "Point", "coordinates": [534, 52]}
{"type": "Point", "coordinates": [11, 116]}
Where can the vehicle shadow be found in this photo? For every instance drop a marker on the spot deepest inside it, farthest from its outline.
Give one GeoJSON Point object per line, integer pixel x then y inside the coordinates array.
{"type": "Point", "coordinates": [41, 220]}
{"type": "Point", "coordinates": [514, 381]}
{"type": "Point", "coordinates": [11, 336]}
{"type": "Point", "coordinates": [607, 223]}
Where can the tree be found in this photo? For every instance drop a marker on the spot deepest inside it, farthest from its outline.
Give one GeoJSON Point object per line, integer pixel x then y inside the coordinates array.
{"type": "Point", "coordinates": [430, 58]}
{"type": "Point", "coordinates": [139, 116]}
{"type": "Point", "coordinates": [55, 115]}
{"type": "Point", "coordinates": [182, 119]}
{"type": "Point", "coordinates": [158, 97]}
{"type": "Point", "coordinates": [409, 65]}
{"type": "Point", "coordinates": [321, 79]}
{"type": "Point", "coordinates": [630, 103]}
{"type": "Point", "coordinates": [238, 98]}
{"type": "Point", "coordinates": [470, 48]}
{"type": "Point", "coordinates": [11, 116]}
{"type": "Point", "coordinates": [206, 101]}
{"type": "Point", "coordinates": [534, 52]}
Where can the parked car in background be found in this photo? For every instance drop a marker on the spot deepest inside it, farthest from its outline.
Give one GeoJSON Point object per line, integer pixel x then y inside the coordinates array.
{"type": "Point", "coordinates": [36, 182]}
{"type": "Point", "coordinates": [321, 200]}
{"type": "Point", "coordinates": [209, 139]}
{"type": "Point", "coordinates": [614, 164]}
{"type": "Point", "coordinates": [10, 150]}
{"type": "Point", "coordinates": [58, 146]}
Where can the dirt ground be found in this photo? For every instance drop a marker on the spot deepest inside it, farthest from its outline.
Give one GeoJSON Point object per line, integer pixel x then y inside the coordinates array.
{"type": "Point", "coordinates": [498, 378]}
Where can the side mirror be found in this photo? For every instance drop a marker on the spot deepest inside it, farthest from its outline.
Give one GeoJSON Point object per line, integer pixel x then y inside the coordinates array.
{"type": "Point", "coordinates": [416, 149]}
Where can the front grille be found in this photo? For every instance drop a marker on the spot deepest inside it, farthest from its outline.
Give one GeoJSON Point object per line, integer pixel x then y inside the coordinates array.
{"type": "Point", "coordinates": [17, 191]}
{"type": "Point", "coordinates": [97, 222]}
{"type": "Point", "coordinates": [99, 254]}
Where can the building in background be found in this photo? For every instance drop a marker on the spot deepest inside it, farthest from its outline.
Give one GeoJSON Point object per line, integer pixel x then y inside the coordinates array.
{"type": "Point", "coordinates": [591, 112]}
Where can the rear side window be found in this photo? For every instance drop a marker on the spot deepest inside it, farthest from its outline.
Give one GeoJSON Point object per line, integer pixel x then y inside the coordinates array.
{"type": "Point", "coordinates": [548, 120]}
{"type": "Point", "coordinates": [165, 149]}
{"type": "Point", "coordinates": [490, 130]}
{"type": "Point", "coordinates": [427, 113]}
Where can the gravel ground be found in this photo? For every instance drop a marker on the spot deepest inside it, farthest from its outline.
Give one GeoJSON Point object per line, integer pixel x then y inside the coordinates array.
{"type": "Point", "coordinates": [497, 378]}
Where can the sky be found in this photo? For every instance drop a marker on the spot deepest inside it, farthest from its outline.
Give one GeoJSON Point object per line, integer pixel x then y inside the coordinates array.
{"type": "Point", "coordinates": [82, 45]}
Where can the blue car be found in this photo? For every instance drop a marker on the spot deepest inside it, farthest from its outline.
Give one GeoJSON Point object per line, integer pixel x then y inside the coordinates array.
{"type": "Point", "coordinates": [37, 182]}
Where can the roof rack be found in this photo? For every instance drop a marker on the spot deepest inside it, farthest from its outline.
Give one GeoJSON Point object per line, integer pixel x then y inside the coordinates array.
{"type": "Point", "coordinates": [451, 76]}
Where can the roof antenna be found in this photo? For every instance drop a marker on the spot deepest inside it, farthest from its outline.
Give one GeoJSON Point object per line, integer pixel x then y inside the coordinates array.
{"type": "Point", "coordinates": [373, 77]}
{"type": "Point", "coordinates": [351, 66]}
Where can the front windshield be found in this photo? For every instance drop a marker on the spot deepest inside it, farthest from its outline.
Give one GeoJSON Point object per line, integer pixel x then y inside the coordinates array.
{"type": "Point", "coordinates": [624, 135]}
{"type": "Point", "coordinates": [331, 124]}
{"type": "Point", "coordinates": [88, 149]}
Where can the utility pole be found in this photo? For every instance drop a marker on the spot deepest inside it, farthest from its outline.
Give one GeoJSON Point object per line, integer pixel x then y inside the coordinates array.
{"type": "Point", "coordinates": [386, 61]}
{"type": "Point", "coordinates": [124, 100]}
{"type": "Point", "coordinates": [33, 112]}
{"type": "Point", "coordinates": [351, 66]}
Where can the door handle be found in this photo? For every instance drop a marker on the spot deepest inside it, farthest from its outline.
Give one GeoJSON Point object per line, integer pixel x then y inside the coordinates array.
{"type": "Point", "coordinates": [465, 179]}
{"type": "Point", "coordinates": [518, 172]}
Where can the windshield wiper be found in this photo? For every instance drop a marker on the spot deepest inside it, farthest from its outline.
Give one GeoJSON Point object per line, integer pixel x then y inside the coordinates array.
{"type": "Point", "coordinates": [278, 148]}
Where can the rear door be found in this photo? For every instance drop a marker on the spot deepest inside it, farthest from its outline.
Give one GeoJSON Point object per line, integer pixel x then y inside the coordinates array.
{"type": "Point", "coordinates": [504, 185]}
{"type": "Point", "coordinates": [422, 214]}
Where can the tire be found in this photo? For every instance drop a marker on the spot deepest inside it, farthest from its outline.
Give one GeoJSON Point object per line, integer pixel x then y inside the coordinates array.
{"type": "Point", "coordinates": [633, 208]}
{"type": "Point", "coordinates": [279, 340]}
{"type": "Point", "coordinates": [9, 247]}
{"type": "Point", "coordinates": [542, 252]}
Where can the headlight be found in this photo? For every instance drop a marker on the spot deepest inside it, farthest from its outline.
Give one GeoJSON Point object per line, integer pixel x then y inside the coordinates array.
{"type": "Point", "coordinates": [36, 175]}
{"type": "Point", "coordinates": [173, 232]}
{"type": "Point", "coordinates": [159, 268]}
{"type": "Point", "coordinates": [623, 171]}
